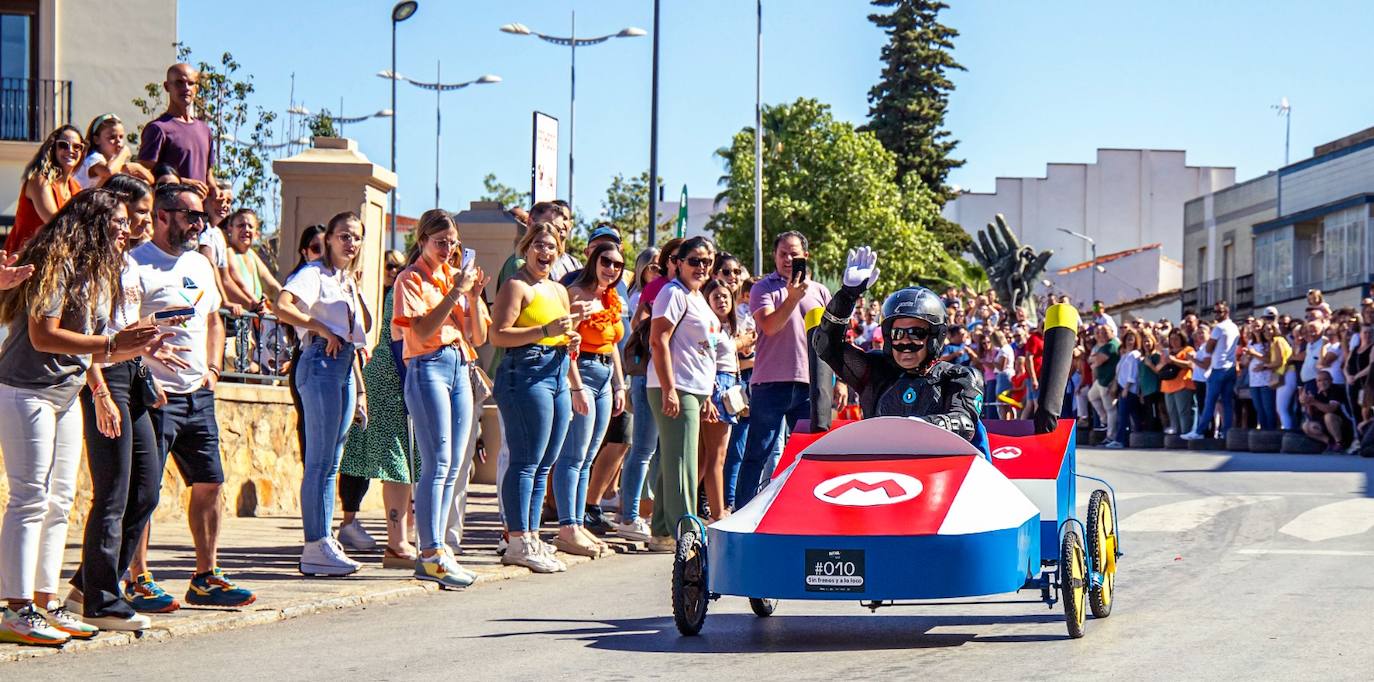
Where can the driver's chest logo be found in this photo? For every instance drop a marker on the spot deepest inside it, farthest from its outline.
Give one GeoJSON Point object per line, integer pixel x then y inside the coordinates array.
{"type": "Point", "coordinates": [909, 396]}
{"type": "Point", "coordinates": [868, 489]}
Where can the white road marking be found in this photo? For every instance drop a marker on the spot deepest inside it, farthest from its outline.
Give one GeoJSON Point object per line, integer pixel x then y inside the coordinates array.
{"type": "Point", "coordinates": [1338, 519]}
{"type": "Point", "coordinates": [1187, 515]}
{"type": "Point", "coordinates": [1308, 552]}
{"type": "Point", "coordinates": [1120, 496]}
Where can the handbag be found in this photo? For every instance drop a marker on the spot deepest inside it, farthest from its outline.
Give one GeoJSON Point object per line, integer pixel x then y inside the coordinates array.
{"type": "Point", "coordinates": [734, 400]}
{"type": "Point", "coordinates": [1170, 372]}
{"type": "Point", "coordinates": [144, 383]}
{"type": "Point", "coordinates": [635, 355]}
{"type": "Point", "coordinates": [481, 384]}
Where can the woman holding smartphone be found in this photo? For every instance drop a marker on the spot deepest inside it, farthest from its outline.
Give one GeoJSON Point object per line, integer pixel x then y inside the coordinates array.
{"type": "Point", "coordinates": [440, 336]}
{"type": "Point", "coordinates": [56, 321]}
{"type": "Point", "coordinates": [321, 301]}
{"type": "Point", "coordinates": [533, 320]}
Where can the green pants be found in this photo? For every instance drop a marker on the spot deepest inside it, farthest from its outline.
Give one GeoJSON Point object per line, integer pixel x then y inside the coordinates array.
{"type": "Point", "coordinates": [675, 487]}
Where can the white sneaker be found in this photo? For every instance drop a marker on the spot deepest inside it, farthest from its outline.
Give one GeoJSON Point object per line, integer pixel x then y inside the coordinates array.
{"type": "Point", "coordinates": [1169, 431]}
{"type": "Point", "coordinates": [1113, 445]}
{"type": "Point", "coordinates": [502, 544]}
{"type": "Point", "coordinates": [663, 544]}
{"type": "Point", "coordinates": [1191, 435]}
{"type": "Point", "coordinates": [524, 552]}
{"type": "Point", "coordinates": [637, 530]}
{"type": "Point", "coordinates": [550, 553]}
{"type": "Point", "coordinates": [27, 626]}
{"type": "Point", "coordinates": [134, 623]}
{"type": "Point", "coordinates": [339, 553]}
{"type": "Point", "coordinates": [319, 557]}
{"type": "Point", "coordinates": [353, 536]}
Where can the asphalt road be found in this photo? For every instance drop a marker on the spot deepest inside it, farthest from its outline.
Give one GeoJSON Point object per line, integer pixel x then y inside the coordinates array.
{"type": "Point", "coordinates": [1236, 567]}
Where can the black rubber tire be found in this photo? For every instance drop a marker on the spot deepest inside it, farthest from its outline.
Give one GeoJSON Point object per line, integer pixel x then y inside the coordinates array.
{"type": "Point", "coordinates": [1266, 441]}
{"type": "Point", "coordinates": [1146, 440]}
{"type": "Point", "coordinates": [1238, 440]}
{"type": "Point", "coordinates": [690, 597]}
{"type": "Point", "coordinates": [763, 608]}
{"type": "Point", "coordinates": [1073, 581]}
{"type": "Point", "coordinates": [1102, 546]}
{"type": "Point", "coordinates": [1175, 442]}
{"type": "Point", "coordinates": [1300, 444]}
{"type": "Point", "coordinates": [1097, 437]}
{"type": "Point", "coordinates": [1206, 444]}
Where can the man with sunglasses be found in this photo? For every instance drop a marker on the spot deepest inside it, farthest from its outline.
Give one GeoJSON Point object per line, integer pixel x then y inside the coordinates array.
{"type": "Point", "coordinates": [173, 274]}
{"type": "Point", "coordinates": [906, 378]}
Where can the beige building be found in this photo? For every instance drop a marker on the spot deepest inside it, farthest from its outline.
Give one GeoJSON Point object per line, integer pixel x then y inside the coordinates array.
{"type": "Point", "coordinates": [68, 61]}
{"type": "Point", "coordinates": [1218, 243]}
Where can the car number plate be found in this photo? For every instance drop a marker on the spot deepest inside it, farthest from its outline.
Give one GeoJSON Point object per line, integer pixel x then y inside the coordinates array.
{"type": "Point", "coordinates": [834, 570]}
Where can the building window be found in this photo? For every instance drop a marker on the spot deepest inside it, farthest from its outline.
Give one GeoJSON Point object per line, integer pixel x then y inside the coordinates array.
{"type": "Point", "coordinates": [1343, 261]}
{"type": "Point", "coordinates": [18, 39]}
{"type": "Point", "coordinates": [1274, 265]}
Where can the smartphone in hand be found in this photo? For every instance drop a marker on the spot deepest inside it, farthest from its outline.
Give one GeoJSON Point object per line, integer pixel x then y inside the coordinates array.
{"type": "Point", "coordinates": [469, 256]}
{"type": "Point", "coordinates": [798, 268]}
{"type": "Point", "coordinates": [174, 313]}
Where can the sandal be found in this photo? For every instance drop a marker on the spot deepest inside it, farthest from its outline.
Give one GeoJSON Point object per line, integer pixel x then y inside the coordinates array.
{"type": "Point", "coordinates": [603, 548]}
{"type": "Point", "coordinates": [577, 548]}
{"type": "Point", "coordinates": [394, 559]}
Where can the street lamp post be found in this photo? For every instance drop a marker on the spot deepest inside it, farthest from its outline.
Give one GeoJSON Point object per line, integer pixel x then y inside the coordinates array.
{"type": "Point", "coordinates": [342, 121]}
{"type": "Point", "coordinates": [758, 140]}
{"type": "Point", "coordinates": [573, 42]}
{"type": "Point", "coordinates": [400, 12]}
{"type": "Point", "coordinates": [653, 139]}
{"type": "Point", "coordinates": [439, 89]}
{"type": "Point", "coordinates": [1092, 246]}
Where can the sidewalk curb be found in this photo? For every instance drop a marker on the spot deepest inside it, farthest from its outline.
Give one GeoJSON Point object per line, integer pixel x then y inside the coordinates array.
{"type": "Point", "coordinates": [233, 620]}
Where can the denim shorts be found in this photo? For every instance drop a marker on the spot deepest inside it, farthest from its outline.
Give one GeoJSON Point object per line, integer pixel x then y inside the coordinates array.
{"type": "Point", "coordinates": [724, 381]}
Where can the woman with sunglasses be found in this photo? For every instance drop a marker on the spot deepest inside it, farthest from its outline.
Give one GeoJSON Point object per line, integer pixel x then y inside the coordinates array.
{"type": "Point", "coordinates": [602, 394]}
{"type": "Point", "coordinates": [442, 319]}
{"type": "Point", "coordinates": [48, 183]}
{"type": "Point", "coordinates": [60, 319]}
{"type": "Point", "coordinates": [382, 450]}
{"type": "Point", "coordinates": [906, 378]}
{"type": "Point", "coordinates": [321, 301]}
{"type": "Point", "coordinates": [683, 337]}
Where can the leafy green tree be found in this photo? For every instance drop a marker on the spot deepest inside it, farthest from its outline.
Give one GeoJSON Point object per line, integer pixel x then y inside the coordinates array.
{"type": "Point", "coordinates": [908, 104]}
{"type": "Point", "coordinates": [627, 205]}
{"type": "Point", "coordinates": [838, 187]}
{"type": "Point", "coordinates": [222, 102]}
{"type": "Point", "coordinates": [495, 190]}
{"type": "Point", "coordinates": [322, 124]}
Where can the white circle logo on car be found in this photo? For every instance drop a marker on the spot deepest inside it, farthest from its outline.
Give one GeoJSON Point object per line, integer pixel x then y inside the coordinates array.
{"type": "Point", "coordinates": [868, 489]}
{"type": "Point", "coordinates": [1006, 452]}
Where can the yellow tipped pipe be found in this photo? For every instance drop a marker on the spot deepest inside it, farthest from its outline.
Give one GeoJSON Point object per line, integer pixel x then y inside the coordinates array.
{"type": "Point", "coordinates": [813, 318]}
{"type": "Point", "coordinates": [1061, 315]}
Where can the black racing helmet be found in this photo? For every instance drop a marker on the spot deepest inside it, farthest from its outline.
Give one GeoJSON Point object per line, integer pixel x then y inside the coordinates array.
{"type": "Point", "coordinates": [920, 303]}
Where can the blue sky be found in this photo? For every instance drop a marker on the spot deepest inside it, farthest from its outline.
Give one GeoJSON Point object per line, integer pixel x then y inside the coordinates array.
{"type": "Point", "coordinates": [1046, 81]}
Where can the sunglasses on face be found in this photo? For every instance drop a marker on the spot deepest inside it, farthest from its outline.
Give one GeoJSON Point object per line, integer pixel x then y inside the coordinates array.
{"type": "Point", "coordinates": [394, 267]}
{"type": "Point", "coordinates": [732, 272]}
{"type": "Point", "coordinates": [617, 265]}
{"type": "Point", "coordinates": [68, 146]}
{"type": "Point", "coordinates": [914, 333]}
{"type": "Point", "coordinates": [192, 217]}
{"type": "Point", "coordinates": [700, 262]}
{"type": "Point", "coordinates": [445, 243]}
{"type": "Point", "coordinates": [315, 248]}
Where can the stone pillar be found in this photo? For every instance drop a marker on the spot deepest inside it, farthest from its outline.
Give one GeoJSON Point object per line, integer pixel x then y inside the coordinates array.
{"type": "Point", "coordinates": [331, 177]}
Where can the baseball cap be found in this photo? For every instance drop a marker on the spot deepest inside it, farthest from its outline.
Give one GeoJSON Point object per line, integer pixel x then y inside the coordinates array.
{"type": "Point", "coordinates": [604, 231]}
{"type": "Point", "coordinates": [1271, 312]}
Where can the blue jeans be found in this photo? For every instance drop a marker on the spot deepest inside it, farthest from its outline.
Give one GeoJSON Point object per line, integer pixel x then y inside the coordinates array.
{"type": "Point", "coordinates": [1126, 408]}
{"type": "Point", "coordinates": [532, 393]}
{"type": "Point", "coordinates": [769, 405]}
{"type": "Point", "coordinates": [1221, 386]}
{"type": "Point", "coordinates": [734, 453]}
{"type": "Point", "coordinates": [328, 398]}
{"type": "Point", "coordinates": [438, 394]}
{"type": "Point", "coordinates": [1266, 410]}
{"type": "Point", "coordinates": [574, 464]}
{"type": "Point", "coordinates": [643, 443]}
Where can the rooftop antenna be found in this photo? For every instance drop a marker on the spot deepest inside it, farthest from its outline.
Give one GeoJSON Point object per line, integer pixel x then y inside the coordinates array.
{"type": "Point", "coordinates": [1286, 112]}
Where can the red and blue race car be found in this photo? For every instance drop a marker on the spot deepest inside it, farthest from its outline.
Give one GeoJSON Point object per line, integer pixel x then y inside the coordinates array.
{"type": "Point", "coordinates": [890, 510]}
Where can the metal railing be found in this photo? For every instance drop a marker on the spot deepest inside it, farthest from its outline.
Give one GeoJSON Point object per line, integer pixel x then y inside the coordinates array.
{"type": "Point", "coordinates": [30, 108]}
{"type": "Point", "coordinates": [258, 348]}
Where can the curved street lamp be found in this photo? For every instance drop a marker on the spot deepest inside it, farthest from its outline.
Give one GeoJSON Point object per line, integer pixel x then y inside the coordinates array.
{"type": "Point", "coordinates": [573, 42]}
{"type": "Point", "coordinates": [439, 89]}
{"type": "Point", "coordinates": [399, 12]}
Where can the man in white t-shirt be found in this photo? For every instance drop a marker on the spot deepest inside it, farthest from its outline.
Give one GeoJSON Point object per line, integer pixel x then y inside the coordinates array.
{"type": "Point", "coordinates": [173, 275]}
{"type": "Point", "coordinates": [1221, 382]}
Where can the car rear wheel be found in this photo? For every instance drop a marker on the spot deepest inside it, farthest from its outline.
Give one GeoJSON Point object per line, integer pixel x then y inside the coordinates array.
{"type": "Point", "coordinates": [763, 608]}
{"type": "Point", "coordinates": [1073, 583]}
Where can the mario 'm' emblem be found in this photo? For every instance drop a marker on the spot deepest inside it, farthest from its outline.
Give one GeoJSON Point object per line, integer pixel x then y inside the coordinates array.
{"type": "Point", "coordinates": [1006, 452]}
{"type": "Point", "coordinates": [868, 489]}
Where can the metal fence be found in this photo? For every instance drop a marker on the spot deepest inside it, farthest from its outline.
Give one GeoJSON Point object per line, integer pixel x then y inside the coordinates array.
{"type": "Point", "coordinates": [258, 348]}
{"type": "Point", "coordinates": [30, 108]}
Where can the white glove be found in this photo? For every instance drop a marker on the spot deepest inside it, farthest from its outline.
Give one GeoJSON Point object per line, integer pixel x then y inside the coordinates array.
{"type": "Point", "coordinates": [861, 270]}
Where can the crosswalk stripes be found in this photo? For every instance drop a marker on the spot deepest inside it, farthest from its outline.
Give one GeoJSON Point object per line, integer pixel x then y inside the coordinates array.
{"type": "Point", "coordinates": [1182, 516]}
{"type": "Point", "coordinates": [1338, 519]}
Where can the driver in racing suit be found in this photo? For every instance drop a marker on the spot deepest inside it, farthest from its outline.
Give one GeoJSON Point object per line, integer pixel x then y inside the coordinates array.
{"type": "Point", "coordinates": [905, 378]}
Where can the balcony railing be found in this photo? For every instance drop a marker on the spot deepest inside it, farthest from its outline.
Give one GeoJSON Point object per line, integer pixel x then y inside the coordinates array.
{"type": "Point", "coordinates": [259, 348]}
{"type": "Point", "coordinates": [31, 107]}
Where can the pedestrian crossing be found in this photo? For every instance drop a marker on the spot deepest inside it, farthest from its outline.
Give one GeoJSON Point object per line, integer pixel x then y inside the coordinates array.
{"type": "Point", "coordinates": [1309, 517]}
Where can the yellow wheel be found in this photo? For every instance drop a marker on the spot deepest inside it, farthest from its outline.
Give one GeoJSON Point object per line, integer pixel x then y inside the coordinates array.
{"type": "Point", "coordinates": [1102, 552]}
{"type": "Point", "coordinates": [1073, 582]}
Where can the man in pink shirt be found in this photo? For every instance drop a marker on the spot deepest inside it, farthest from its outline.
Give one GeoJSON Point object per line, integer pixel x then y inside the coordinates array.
{"type": "Point", "coordinates": [781, 385]}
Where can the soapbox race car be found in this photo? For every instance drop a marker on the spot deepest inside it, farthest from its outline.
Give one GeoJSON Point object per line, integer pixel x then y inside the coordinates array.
{"type": "Point", "coordinates": [892, 510]}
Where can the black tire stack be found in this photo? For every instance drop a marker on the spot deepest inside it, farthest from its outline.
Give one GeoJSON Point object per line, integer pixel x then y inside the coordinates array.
{"type": "Point", "coordinates": [1300, 444]}
{"type": "Point", "coordinates": [1207, 444]}
{"type": "Point", "coordinates": [1146, 440]}
{"type": "Point", "coordinates": [1173, 441]}
{"type": "Point", "coordinates": [1238, 440]}
{"type": "Point", "coordinates": [1266, 441]}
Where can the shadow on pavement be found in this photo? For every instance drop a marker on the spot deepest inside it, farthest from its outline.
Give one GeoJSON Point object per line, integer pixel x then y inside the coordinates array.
{"type": "Point", "coordinates": [744, 633]}
{"type": "Point", "coordinates": [1306, 464]}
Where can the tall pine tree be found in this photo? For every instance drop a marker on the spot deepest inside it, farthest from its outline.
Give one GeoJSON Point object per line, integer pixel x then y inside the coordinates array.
{"type": "Point", "coordinates": [907, 106]}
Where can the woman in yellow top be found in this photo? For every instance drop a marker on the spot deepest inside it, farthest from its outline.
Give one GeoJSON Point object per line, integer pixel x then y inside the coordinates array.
{"type": "Point", "coordinates": [533, 320]}
{"type": "Point", "coordinates": [602, 395]}
{"type": "Point", "coordinates": [439, 336]}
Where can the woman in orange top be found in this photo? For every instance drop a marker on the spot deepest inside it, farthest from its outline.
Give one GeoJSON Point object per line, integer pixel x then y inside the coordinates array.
{"type": "Point", "coordinates": [439, 336]}
{"type": "Point", "coordinates": [1178, 391]}
{"type": "Point", "coordinates": [48, 184]}
{"type": "Point", "coordinates": [602, 394]}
